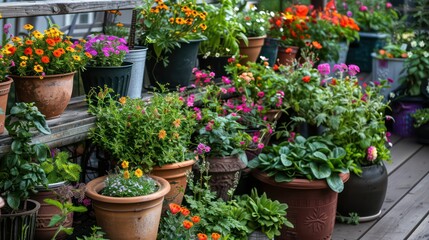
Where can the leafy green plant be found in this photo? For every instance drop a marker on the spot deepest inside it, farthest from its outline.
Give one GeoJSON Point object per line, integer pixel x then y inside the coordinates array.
{"type": "Point", "coordinates": [178, 223]}
{"type": "Point", "coordinates": [255, 22]}
{"type": "Point", "coordinates": [313, 158]}
{"type": "Point", "coordinates": [421, 117]}
{"type": "Point", "coordinates": [266, 215]}
{"type": "Point", "coordinates": [353, 218]}
{"type": "Point", "coordinates": [59, 168]}
{"type": "Point", "coordinates": [96, 234]}
{"type": "Point", "coordinates": [20, 170]}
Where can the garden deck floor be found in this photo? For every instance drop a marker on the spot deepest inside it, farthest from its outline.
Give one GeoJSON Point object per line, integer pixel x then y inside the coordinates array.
{"type": "Point", "coordinates": [405, 211]}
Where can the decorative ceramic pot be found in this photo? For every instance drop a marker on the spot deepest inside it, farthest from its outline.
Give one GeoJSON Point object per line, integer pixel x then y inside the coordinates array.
{"type": "Point", "coordinates": [312, 205]}
{"type": "Point", "coordinates": [175, 174]}
{"type": "Point", "coordinates": [4, 93]}
{"type": "Point", "coordinates": [250, 52]}
{"type": "Point", "coordinates": [47, 211]}
{"type": "Point", "coordinates": [388, 68]}
{"type": "Point", "coordinates": [21, 225]}
{"type": "Point", "coordinates": [287, 55]}
{"type": "Point", "coordinates": [50, 94]}
{"type": "Point", "coordinates": [128, 218]}
{"type": "Point", "coordinates": [364, 194]}
{"type": "Point", "coordinates": [178, 72]}
{"type": "Point", "coordinates": [115, 77]}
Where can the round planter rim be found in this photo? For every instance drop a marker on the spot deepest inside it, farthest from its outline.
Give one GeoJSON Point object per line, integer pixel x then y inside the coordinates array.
{"type": "Point", "coordinates": [124, 65]}
{"type": "Point", "coordinates": [373, 34]}
{"type": "Point", "coordinates": [9, 80]}
{"type": "Point", "coordinates": [23, 213]}
{"type": "Point", "coordinates": [51, 186]}
{"type": "Point", "coordinates": [176, 165]}
{"type": "Point", "coordinates": [258, 37]}
{"type": "Point", "coordinates": [374, 55]}
{"type": "Point", "coordinates": [297, 183]}
{"type": "Point", "coordinates": [45, 77]}
{"type": "Point", "coordinates": [97, 184]}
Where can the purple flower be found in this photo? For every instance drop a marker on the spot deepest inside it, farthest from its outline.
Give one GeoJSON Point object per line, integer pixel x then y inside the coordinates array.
{"type": "Point", "coordinates": [324, 68]}
{"type": "Point", "coordinates": [340, 67]}
{"type": "Point", "coordinates": [353, 69]}
{"type": "Point", "coordinates": [6, 28]}
{"type": "Point", "coordinates": [390, 80]}
{"type": "Point", "coordinates": [349, 14]}
{"type": "Point", "coordinates": [363, 8]}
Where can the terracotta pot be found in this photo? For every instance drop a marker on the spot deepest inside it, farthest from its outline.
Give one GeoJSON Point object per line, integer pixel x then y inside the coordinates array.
{"type": "Point", "coordinates": [4, 93]}
{"type": "Point", "coordinates": [51, 94]}
{"type": "Point", "coordinates": [11, 224]}
{"type": "Point", "coordinates": [128, 217]}
{"type": "Point", "coordinates": [175, 174]}
{"type": "Point", "coordinates": [252, 49]}
{"type": "Point", "coordinates": [370, 187]}
{"type": "Point", "coordinates": [223, 171]}
{"type": "Point", "coordinates": [312, 205]}
{"type": "Point", "coordinates": [287, 55]}
{"type": "Point", "coordinates": [46, 211]}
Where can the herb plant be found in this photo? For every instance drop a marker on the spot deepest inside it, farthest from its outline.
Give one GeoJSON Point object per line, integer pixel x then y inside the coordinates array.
{"type": "Point", "coordinates": [59, 168]}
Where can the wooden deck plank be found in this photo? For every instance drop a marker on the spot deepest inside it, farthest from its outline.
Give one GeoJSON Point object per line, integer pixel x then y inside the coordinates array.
{"type": "Point", "coordinates": [403, 217]}
{"type": "Point", "coordinates": [422, 231]}
{"type": "Point", "coordinates": [401, 151]}
{"type": "Point", "coordinates": [400, 182]}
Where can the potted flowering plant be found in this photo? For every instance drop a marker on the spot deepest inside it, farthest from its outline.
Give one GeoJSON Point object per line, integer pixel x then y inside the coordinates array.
{"type": "Point", "coordinates": [421, 120]}
{"type": "Point", "coordinates": [130, 199]}
{"type": "Point", "coordinates": [172, 31]}
{"type": "Point", "coordinates": [153, 134]}
{"type": "Point", "coordinates": [365, 138]}
{"type": "Point", "coordinates": [107, 66]}
{"type": "Point", "coordinates": [256, 26]}
{"type": "Point", "coordinates": [5, 81]}
{"type": "Point", "coordinates": [42, 59]}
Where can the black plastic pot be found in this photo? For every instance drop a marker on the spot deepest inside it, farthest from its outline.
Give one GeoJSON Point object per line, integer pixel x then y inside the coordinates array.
{"type": "Point", "coordinates": [270, 49]}
{"type": "Point", "coordinates": [214, 64]}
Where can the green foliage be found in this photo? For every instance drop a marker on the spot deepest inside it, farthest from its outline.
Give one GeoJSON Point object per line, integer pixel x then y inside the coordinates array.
{"type": "Point", "coordinates": [145, 133]}
{"type": "Point", "coordinates": [59, 168]}
{"type": "Point", "coordinates": [266, 215]}
{"type": "Point", "coordinates": [313, 158]}
{"type": "Point", "coordinates": [20, 170]}
{"type": "Point", "coordinates": [96, 234]}
{"type": "Point", "coordinates": [223, 30]}
{"type": "Point", "coordinates": [353, 218]}
{"type": "Point", "coordinates": [255, 22]}
{"type": "Point", "coordinates": [421, 117]}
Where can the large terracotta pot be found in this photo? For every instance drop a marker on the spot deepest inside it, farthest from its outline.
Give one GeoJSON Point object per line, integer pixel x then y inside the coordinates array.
{"type": "Point", "coordinates": [47, 211]}
{"type": "Point", "coordinates": [175, 174]}
{"type": "Point", "coordinates": [50, 94]}
{"type": "Point", "coordinates": [12, 224]}
{"type": "Point", "coordinates": [287, 55]}
{"type": "Point", "coordinates": [252, 49]}
{"type": "Point", "coordinates": [126, 218]}
{"type": "Point", "coordinates": [364, 194]}
{"type": "Point", "coordinates": [312, 205]}
{"type": "Point", "coordinates": [223, 172]}
{"type": "Point", "coordinates": [4, 93]}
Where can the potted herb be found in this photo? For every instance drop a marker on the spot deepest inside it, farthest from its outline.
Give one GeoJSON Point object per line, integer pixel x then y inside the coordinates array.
{"type": "Point", "coordinates": [300, 170]}
{"type": "Point", "coordinates": [107, 66]}
{"type": "Point", "coordinates": [130, 199]}
{"type": "Point", "coordinates": [172, 31]}
{"type": "Point", "coordinates": [20, 171]}
{"type": "Point", "coordinates": [421, 119]}
{"type": "Point", "coordinates": [153, 134]}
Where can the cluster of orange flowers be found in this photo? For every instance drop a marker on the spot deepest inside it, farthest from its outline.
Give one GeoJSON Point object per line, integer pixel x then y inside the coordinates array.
{"type": "Point", "coordinates": [331, 14]}
{"type": "Point", "coordinates": [189, 223]}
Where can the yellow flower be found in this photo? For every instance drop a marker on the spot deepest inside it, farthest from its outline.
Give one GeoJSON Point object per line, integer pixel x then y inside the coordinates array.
{"type": "Point", "coordinates": [119, 24]}
{"type": "Point", "coordinates": [176, 123]}
{"type": "Point", "coordinates": [123, 100]}
{"type": "Point", "coordinates": [76, 58]}
{"type": "Point", "coordinates": [38, 68]}
{"type": "Point", "coordinates": [124, 164]}
{"type": "Point", "coordinates": [24, 58]}
{"type": "Point", "coordinates": [138, 173]}
{"type": "Point", "coordinates": [162, 134]}
{"type": "Point", "coordinates": [16, 39]}
{"type": "Point", "coordinates": [70, 49]}
{"type": "Point", "coordinates": [28, 26]}
{"type": "Point", "coordinates": [126, 174]}
{"type": "Point", "coordinates": [23, 64]}
{"type": "Point", "coordinates": [37, 34]}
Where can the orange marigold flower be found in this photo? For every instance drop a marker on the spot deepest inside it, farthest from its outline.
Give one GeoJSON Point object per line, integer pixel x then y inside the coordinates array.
{"type": "Point", "coordinates": [196, 219]}
{"type": "Point", "coordinates": [57, 53]}
{"type": "Point", "coordinates": [122, 100]}
{"type": "Point", "coordinates": [381, 51]}
{"type": "Point", "coordinates": [215, 236]}
{"type": "Point", "coordinates": [404, 55]}
{"type": "Point", "coordinates": [187, 224]}
{"type": "Point", "coordinates": [162, 134]}
{"type": "Point", "coordinates": [39, 51]}
{"type": "Point", "coordinates": [174, 208]}
{"type": "Point", "coordinates": [180, 21]}
{"type": "Point", "coordinates": [45, 59]}
{"type": "Point", "coordinates": [171, 20]}
{"type": "Point", "coordinates": [202, 236]}
{"type": "Point", "coordinates": [88, 55]}
{"type": "Point", "coordinates": [316, 44]}
{"type": "Point", "coordinates": [138, 173]}
{"type": "Point", "coordinates": [126, 174]}
{"type": "Point", "coordinates": [306, 79]}
{"type": "Point", "coordinates": [28, 26]}
{"type": "Point", "coordinates": [184, 211]}
{"type": "Point", "coordinates": [177, 123]}
{"type": "Point", "coordinates": [275, 67]}
{"type": "Point", "coordinates": [28, 51]}
{"type": "Point", "coordinates": [28, 42]}
{"type": "Point", "coordinates": [50, 42]}
{"type": "Point", "coordinates": [119, 24]}
{"type": "Point", "coordinates": [125, 164]}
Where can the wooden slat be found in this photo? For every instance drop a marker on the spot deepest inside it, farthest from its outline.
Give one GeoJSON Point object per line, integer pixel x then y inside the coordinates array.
{"type": "Point", "coordinates": [401, 220]}
{"type": "Point", "coordinates": [422, 231]}
{"type": "Point", "coordinates": [54, 7]}
{"type": "Point", "coordinates": [400, 181]}
{"type": "Point", "coordinates": [401, 151]}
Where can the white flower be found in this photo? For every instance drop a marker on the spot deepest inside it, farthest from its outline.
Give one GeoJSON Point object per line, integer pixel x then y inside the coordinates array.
{"type": "Point", "coordinates": [421, 44]}
{"type": "Point", "coordinates": [410, 54]}
{"type": "Point", "coordinates": [258, 20]}
{"type": "Point", "coordinates": [261, 20]}
{"type": "Point", "coordinates": [263, 58]}
{"type": "Point", "coordinates": [413, 44]}
{"type": "Point", "coordinates": [425, 54]}
{"type": "Point", "coordinates": [262, 12]}
{"type": "Point", "coordinates": [236, 9]}
{"type": "Point", "coordinates": [272, 14]}
{"type": "Point", "coordinates": [392, 95]}
{"type": "Point", "coordinates": [227, 49]}
{"type": "Point", "coordinates": [281, 29]}
{"type": "Point", "coordinates": [217, 54]}
{"type": "Point", "coordinates": [262, 28]}
{"type": "Point", "coordinates": [248, 23]}
{"type": "Point", "coordinates": [253, 8]}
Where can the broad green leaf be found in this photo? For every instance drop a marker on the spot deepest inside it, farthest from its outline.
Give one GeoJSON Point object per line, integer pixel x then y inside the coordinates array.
{"type": "Point", "coordinates": [320, 156]}
{"type": "Point", "coordinates": [56, 219]}
{"type": "Point", "coordinates": [320, 171]}
{"type": "Point", "coordinates": [282, 177]}
{"type": "Point", "coordinates": [335, 183]}
{"type": "Point", "coordinates": [53, 202]}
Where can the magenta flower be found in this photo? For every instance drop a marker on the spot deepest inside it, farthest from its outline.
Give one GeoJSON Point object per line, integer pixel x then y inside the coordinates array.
{"type": "Point", "coordinates": [371, 154]}
{"type": "Point", "coordinates": [388, 5]}
{"type": "Point", "coordinates": [261, 145]}
{"type": "Point", "coordinates": [190, 101]}
{"type": "Point", "coordinates": [363, 8]}
{"type": "Point", "coordinates": [340, 67]}
{"type": "Point", "coordinates": [226, 80]}
{"type": "Point", "coordinates": [353, 69]}
{"type": "Point", "coordinates": [390, 80]}
{"type": "Point", "coordinates": [324, 68]}
{"type": "Point", "coordinates": [202, 148]}
{"type": "Point", "coordinates": [6, 28]}
{"type": "Point", "coordinates": [182, 89]}
{"type": "Point", "coordinates": [349, 14]}
{"type": "Point", "coordinates": [255, 139]}
{"type": "Point", "coordinates": [261, 94]}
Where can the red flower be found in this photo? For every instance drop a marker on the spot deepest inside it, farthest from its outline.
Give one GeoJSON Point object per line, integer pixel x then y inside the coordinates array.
{"type": "Point", "coordinates": [28, 51]}
{"type": "Point", "coordinates": [184, 211]}
{"type": "Point", "coordinates": [45, 59]}
{"type": "Point", "coordinates": [174, 208]}
{"type": "Point", "coordinates": [288, 50]}
{"type": "Point", "coordinates": [195, 219]}
{"type": "Point", "coordinates": [187, 224]}
{"type": "Point", "coordinates": [202, 236]}
{"type": "Point", "coordinates": [275, 67]}
{"type": "Point", "coordinates": [215, 236]}
{"type": "Point", "coordinates": [306, 79]}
